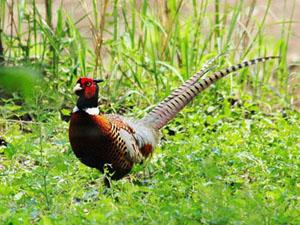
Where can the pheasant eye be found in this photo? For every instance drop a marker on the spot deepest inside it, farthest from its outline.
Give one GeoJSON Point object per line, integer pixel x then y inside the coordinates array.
{"type": "Point", "coordinates": [88, 84]}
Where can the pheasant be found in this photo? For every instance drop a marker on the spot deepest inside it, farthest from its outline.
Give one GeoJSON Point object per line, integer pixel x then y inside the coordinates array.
{"type": "Point", "coordinates": [114, 143]}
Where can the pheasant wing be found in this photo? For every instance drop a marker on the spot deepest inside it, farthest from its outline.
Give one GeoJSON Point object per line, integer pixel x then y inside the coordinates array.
{"type": "Point", "coordinates": [124, 137]}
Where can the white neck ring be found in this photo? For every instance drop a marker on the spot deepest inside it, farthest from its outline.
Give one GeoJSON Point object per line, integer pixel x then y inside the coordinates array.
{"type": "Point", "coordinates": [91, 111]}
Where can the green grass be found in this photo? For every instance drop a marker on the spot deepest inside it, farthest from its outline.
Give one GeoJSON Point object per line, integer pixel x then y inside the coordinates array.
{"type": "Point", "coordinates": [214, 168]}
{"type": "Point", "coordinates": [231, 157]}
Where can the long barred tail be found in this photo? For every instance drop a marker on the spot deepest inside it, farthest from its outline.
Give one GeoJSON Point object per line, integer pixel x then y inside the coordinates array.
{"type": "Point", "coordinates": [167, 110]}
{"type": "Point", "coordinates": [191, 81]}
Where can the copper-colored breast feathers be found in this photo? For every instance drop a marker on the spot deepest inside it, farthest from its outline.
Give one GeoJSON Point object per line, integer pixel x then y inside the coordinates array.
{"type": "Point", "coordinates": [108, 139]}
{"type": "Point", "coordinates": [95, 141]}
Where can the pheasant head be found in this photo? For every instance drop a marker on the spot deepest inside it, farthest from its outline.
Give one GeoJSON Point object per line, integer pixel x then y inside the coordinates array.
{"type": "Point", "coordinates": [87, 89]}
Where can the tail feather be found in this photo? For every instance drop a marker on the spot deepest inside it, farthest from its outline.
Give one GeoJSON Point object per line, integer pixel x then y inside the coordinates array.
{"type": "Point", "coordinates": [168, 109]}
{"type": "Point", "coordinates": [182, 88]}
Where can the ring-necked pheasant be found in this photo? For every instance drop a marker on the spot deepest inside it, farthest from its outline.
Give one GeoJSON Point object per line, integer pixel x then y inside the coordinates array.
{"type": "Point", "coordinates": [116, 142]}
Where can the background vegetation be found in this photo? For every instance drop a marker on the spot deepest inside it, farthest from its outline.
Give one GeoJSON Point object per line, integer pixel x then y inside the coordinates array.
{"type": "Point", "coordinates": [231, 157]}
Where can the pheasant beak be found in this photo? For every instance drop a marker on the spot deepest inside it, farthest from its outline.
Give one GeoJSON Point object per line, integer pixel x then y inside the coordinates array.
{"type": "Point", "coordinates": [77, 88]}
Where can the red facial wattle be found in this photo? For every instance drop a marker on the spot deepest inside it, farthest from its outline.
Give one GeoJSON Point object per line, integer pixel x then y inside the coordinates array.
{"type": "Point", "coordinates": [86, 86]}
{"type": "Point", "coordinates": [90, 91]}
